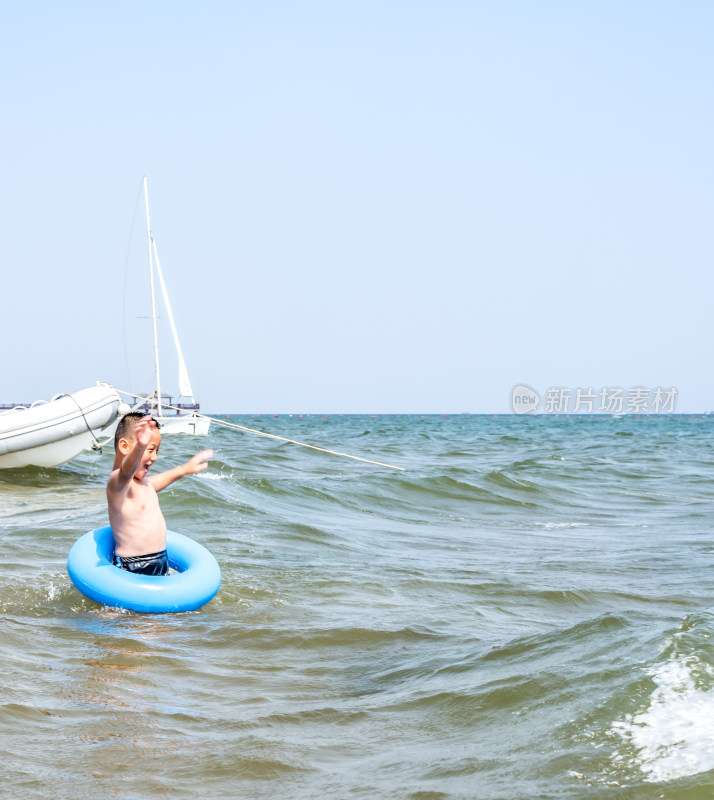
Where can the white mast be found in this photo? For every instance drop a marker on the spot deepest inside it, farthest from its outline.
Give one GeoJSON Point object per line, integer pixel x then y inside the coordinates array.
{"type": "Point", "coordinates": [153, 299]}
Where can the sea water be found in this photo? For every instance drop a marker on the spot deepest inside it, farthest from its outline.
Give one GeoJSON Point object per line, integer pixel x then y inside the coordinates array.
{"type": "Point", "coordinates": [526, 611]}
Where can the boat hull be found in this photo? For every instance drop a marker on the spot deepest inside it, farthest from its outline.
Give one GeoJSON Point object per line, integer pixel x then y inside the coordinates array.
{"type": "Point", "coordinates": [190, 424]}
{"type": "Point", "coordinates": [53, 433]}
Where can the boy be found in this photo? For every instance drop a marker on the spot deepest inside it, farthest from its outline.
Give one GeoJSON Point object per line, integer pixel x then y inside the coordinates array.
{"type": "Point", "coordinates": [134, 514]}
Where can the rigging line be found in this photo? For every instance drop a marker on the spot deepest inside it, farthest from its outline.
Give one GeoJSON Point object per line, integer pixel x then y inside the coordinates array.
{"type": "Point", "coordinates": [95, 441]}
{"type": "Point", "coordinates": [274, 436]}
{"type": "Point", "coordinates": [99, 445]}
{"type": "Point", "coordinates": [661, 494]}
{"type": "Point", "coordinates": [302, 444]}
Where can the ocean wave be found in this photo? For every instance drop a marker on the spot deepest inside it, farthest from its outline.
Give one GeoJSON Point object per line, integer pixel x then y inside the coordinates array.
{"type": "Point", "coordinates": [503, 619]}
{"type": "Point", "coordinates": [273, 638]}
{"type": "Point", "coordinates": [671, 735]}
{"type": "Point", "coordinates": [674, 735]}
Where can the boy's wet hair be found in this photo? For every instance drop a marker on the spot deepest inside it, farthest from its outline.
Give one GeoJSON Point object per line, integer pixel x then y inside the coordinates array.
{"type": "Point", "coordinates": [127, 424]}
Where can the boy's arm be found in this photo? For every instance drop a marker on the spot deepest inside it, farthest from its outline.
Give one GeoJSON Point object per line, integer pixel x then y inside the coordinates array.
{"type": "Point", "coordinates": [120, 479]}
{"type": "Point", "coordinates": [129, 466]}
{"type": "Point", "coordinates": [191, 467]}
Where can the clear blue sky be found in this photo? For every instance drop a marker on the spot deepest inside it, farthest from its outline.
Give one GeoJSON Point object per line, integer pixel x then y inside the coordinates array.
{"type": "Point", "coordinates": [376, 207]}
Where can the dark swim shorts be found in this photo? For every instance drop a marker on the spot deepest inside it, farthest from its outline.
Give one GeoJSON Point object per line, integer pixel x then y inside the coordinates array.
{"type": "Point", "coordinates": [149, 564]}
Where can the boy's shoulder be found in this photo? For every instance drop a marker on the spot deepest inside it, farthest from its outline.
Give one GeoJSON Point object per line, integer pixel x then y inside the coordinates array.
{"type": "Point", "coordinates": [112, 480]}
{"type": "Point", "coordinates": [115, 484]}
{"type": "Point", "coordinates": [132, 482]}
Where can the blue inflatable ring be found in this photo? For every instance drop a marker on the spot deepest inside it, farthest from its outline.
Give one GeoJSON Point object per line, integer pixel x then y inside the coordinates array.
{"type": "Point", "coordinates": [196, 581]}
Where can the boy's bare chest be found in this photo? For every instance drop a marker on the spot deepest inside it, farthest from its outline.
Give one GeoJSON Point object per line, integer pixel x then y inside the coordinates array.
{"type": "Point", "coordinates": [142, 496]}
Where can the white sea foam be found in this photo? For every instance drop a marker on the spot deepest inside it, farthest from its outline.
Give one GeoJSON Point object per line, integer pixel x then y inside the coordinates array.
{"type": "Point", "coordinates": [550, 525]}
{"type": "Point", "coordinates": [213, 476]}
{"type": "Point", "coordinates": [674, 737]}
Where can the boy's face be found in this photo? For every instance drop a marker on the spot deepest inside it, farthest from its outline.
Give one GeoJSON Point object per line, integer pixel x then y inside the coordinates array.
{"type": "Point", "coordinates": [150, 454]}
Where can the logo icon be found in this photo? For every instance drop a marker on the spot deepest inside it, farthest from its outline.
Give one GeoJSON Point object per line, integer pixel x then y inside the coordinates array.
{"type": "Point", "coordinates": [524, 399]}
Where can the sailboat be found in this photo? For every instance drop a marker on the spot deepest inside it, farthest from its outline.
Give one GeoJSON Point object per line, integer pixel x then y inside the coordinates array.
{"type": "Point", "coordinates": [182, 416]}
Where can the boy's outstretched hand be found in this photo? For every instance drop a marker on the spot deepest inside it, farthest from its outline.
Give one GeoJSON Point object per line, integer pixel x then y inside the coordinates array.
{"type": "Point", "coordinates": [144, 431]}
{"type": "Point", "coordinates": [191, 467]}
{"type": "Point", "coordinates": [198, 462]}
